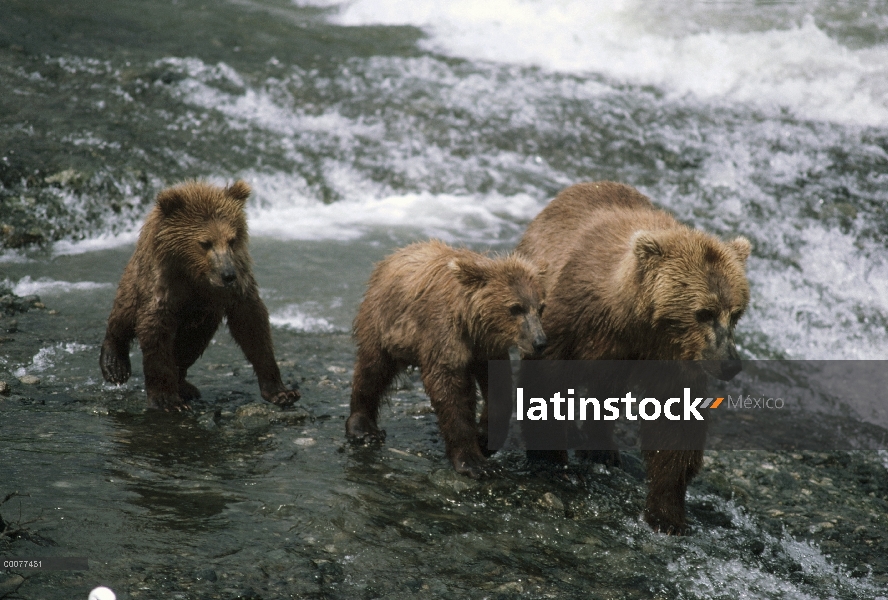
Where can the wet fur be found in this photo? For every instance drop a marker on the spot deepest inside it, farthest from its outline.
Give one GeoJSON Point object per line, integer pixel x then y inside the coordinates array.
{"type": "Point", "coordinates": [447, 311]}
{"type": "Point", "coordinates": [627, 281]}
{"type": "Point", "coordinates": [191, 268]}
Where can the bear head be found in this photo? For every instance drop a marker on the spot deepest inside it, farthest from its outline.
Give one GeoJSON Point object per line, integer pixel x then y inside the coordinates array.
{"type": "Point", "coordinates": [506, 299]}
{"type": "Point", "coordinates": [695, 291]}
{"type": "Point", "coordinates": [201, 233]}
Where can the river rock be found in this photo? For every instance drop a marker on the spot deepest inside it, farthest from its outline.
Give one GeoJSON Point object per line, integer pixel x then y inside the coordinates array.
{"type": "Point", "coordinates": [550, 500]}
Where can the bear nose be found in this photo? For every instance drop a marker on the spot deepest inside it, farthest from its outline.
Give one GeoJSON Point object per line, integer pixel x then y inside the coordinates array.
{"type": "Point", "coordinates": [539, 344]}
{"type": "Point", "coordinates": [228, 276]}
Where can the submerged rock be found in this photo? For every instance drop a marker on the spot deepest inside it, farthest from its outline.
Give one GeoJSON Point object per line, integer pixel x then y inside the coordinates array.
{"type": "Point", "coordinates": [259, 415]}
{"type": "Point", "coordinates": [450, 479]}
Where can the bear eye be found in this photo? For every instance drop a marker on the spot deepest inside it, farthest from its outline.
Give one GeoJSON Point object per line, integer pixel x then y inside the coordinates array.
{"type": "Point", "coordinates": [231, 242]}
{"type": "Point", "coordinates": [206, 244]}
{"type": "Point", "coordinates": [735, 316]}
{"type": "Point", "coordinates": [704, 315]}
{"type": "Point", "coordinates": [516, 309]}
{"type": "Point", "coordinates": [542, 308]}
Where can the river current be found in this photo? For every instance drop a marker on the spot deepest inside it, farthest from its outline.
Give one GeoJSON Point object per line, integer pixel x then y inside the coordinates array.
{"type": "Point", "coordinates": [363, 126]}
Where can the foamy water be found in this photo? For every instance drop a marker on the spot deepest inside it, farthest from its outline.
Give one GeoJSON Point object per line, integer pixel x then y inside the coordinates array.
{"type": "Point", "coordinates": [796, 66]}
{"type": "Point", "coordinates": [45, 286]}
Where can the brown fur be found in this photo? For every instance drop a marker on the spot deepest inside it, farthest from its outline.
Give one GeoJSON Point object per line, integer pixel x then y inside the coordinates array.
{"type": "Point", "coordinates": [627, 281]}
{"type": "Point", "coordinates": [191, 268]}
{"type": "Point", "coordinates": [447, 311]}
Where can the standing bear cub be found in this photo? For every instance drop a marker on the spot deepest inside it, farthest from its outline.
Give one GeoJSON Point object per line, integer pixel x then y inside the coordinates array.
{"type": "Point", "coordinates": [190, 269]}
{"type": "Point", "coordinates": [447, 311]}
{"type": "Point", "coordinates": [626, 281]}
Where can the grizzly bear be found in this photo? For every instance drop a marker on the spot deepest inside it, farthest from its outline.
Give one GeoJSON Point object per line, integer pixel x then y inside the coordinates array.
{"type": "Point", "coordinates": [191, 268]}
{"type": "Point", "coordinates": [447, 311]}
{"type": "Point", "coordinates": [627, 281]}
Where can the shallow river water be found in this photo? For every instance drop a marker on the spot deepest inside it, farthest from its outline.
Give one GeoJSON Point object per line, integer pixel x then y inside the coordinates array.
{"type": "Point", "coordinates": [363, 126]}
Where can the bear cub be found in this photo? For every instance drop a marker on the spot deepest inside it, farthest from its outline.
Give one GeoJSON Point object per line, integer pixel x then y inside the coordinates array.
{"type": "Point", "coordinates": [447, 311]}
{"type": "Point", "coordinates": [191, 268]}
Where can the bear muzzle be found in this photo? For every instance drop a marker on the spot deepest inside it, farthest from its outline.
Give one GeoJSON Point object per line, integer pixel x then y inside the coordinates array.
{"type": "Point", "coordinates": [533, 339]}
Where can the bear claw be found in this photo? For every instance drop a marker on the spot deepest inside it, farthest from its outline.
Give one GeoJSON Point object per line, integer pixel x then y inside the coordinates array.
{"type": "Point", "coordinates": [285, 397]}
{"type": "Point", "coordinates": [167, 402]}
{"type": "Point", "coordinates": [665, 524]}
{"type": "Point", "coordinates": [360, 429]}
{"type": "Point", "coordinates": [476, 467]}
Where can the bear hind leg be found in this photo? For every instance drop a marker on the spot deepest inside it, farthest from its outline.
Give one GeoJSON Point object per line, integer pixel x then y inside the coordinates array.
{"type": "Point", "coordinates": [453, 398]}
{"type": "Point", "coordinates": [187, 391]}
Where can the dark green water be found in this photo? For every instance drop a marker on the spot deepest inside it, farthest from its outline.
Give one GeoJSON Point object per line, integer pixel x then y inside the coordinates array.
{"type": "Point", "coordinates": [362, 128]}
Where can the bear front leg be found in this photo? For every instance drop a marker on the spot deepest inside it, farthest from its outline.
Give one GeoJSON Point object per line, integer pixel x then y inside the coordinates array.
{"type": "Point", "coordinates": [157, 335]}
{"type": "Point", "coordinates": [374, 372]}
{"type": "Point", "coordinates": [669, 472]}
{"type": "Point", "coordinates": [248, 324]}
{"type": "Point", "coordinates": [453, 399]}
{"type": "Point", "coordinates": [114, 359]}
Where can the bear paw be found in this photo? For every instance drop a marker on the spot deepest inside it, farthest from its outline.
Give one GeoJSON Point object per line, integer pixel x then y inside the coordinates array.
{"type": "Point", "coordinates": [666, 521]}
{"type": "Point", "coordinates": [282, 397]}
{"type": "Point", "coordinates": [361, 429]}
{"type": "Point", "coordinates": [472, 465]}
{"type": "Point", "coordinates": [115, 365]}
{"type": "Point", "coordinates": [187, 391]}
{"type": "Point", "coordinates": [167, 402]}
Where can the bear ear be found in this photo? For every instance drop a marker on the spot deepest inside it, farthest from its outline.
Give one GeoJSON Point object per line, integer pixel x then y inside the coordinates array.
{"type": "Point", "coordinates": [468, 272]}
{"type": "Point", "coordinates": [646, 246]}
{"type": "Point", "coordinates": [741, 246]}
{"type": "Point", "coordinates": [170, 200]}
{"type": "Point", "coordinates": [239, 190]}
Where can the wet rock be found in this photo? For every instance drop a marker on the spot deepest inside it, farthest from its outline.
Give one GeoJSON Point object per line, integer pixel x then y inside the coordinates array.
{"type": "Point", "coordinates": [254, 416]}
{"type": "Point", "coordinates": [11, 304]}
{"type": "Point", "coordinates": [326, 382]}
{"type": "Point", "coordinates": [207, 575]}
{"type": "Point", "coordinates": [10, 325]}
{"type": "Point", "coordinates": [29, 379]}
{"type": "Point", "coordinates": [62, 177]}
{"type": "Point", "coordinates": [551, 501]}
{"type": "Point", "coordinates": [511, 587]}
{"type": "Point", "coordinates": [4, 388]}
{"type": "Point", "coordinates": [10, 584]}
{"type": "Point", "coordinates": [208, 421]}
{"type": "Point", "coordinates": [294, 415]}
{"type": "Point", "coordinates": [420, 408]}
{"type": "Point", "coordinates": [449, 479]}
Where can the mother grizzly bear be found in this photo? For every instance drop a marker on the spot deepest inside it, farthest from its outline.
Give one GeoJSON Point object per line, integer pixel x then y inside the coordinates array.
{"type": "Point", "coordinates": [626, 281]}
